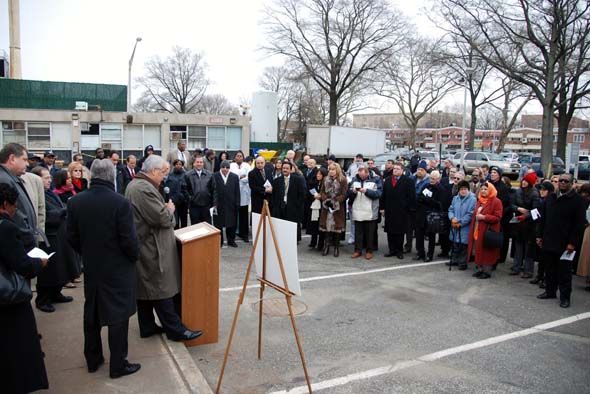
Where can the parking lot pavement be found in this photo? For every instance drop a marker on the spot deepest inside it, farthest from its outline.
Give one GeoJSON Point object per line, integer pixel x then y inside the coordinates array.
{"type": "Point", "coordinates": [378, 331]}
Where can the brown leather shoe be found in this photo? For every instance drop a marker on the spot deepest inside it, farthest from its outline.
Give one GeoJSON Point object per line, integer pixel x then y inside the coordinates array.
{"type": "Point", "coordinates": [355, 255]}
{"type": "Point", "coordinates": [369, 255]}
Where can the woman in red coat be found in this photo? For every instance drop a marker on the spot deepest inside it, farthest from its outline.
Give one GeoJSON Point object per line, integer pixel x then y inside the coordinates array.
{"type": "Point", "coordinates": [487, 215]}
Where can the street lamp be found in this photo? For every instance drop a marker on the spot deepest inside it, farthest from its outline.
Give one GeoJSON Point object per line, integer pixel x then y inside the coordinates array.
{"type": "Point", "coordinates": [138, 39]}
{"type": "Point", "coordinates": [468, 72]}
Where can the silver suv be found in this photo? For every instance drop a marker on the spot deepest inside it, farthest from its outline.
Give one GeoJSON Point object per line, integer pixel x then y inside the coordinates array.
{"type": "Point", "coordinates": [473, 160]}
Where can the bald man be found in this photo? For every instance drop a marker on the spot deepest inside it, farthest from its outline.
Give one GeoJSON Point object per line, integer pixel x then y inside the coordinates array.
{"type": "Point", "coordinates": [259, 188]}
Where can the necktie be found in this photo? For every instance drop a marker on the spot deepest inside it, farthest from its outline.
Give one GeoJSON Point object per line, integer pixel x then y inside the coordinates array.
{"type": "Point", "coordinates": [286, 188]}
{"type": "Point", "coordinates": [393, 181]}
{"type": "Point", "coordinates": [263, 175]}
{"type": "Point", "coordinates": [132, 173]}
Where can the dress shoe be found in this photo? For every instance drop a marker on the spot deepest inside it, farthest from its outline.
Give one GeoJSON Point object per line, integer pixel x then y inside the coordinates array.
{"type": "Point", "coordinates": [477, 274]}
{"type": "Point", "coordinates": [407, 249]}
{"type": "Point", "coordinates": [93, 368]}
{"type": "Point", "coordinates": [355, 255]}
{"type": "Point", "coordinates": [526, 275]}
{"type": "Point", "coordinates": [565, 304]}
{"type": "Point", "coordinates": [541, 285]}
{"type": "Point", "coordinates": [428, 259]}
{"type": "Point", "coordinates": [336, 251]}
{"type": "Point", "coordinates": [418, 258]}
{"type": "Point", "coordinates": [326, 250]}
{"type": "Point", "coordinates": [245, 240]}
{"type": "Point", "coordinates": [46, 308]}
{"type": "Point", "coordinates": [62, 299]}
{"type": "Point", "coordinates": [187, 335]}
{"type": "Point", "coordinates": [311, 246]}
{"type": "Point", "coordinates": [545, 296]}
{"type": "Point", "coordinates": [484, 275]}
{"type": "Point", "coordinates": [534, 281]}
{"type": "Point", "coordinates": [233, 244]}
{"type": "Point", "coordinates": [128, 369]}
{"type": "Point", "coordinates": [155, 331]}
{"type": "Point", "coordinates": [442, 255]}
{"type": "Point", "coordinates": [368, 255]}
{"type": "Point", "coordinates": [400, 256]}
{"type": "Point", "coordinates": [390, 254]}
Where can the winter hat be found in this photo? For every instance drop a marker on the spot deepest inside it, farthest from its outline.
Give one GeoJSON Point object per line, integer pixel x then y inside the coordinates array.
{"type": "Point", "coordinates": [497, 169]}
{"type": "Point", "coordinates": [423, 165]}
{"type": "Point", "coordinates": [546, 185]}
{"type": "Point", "coordinates": [540, 173]}
{"type": "Point", "coordinates": [462, 184]}
{"type": "Point", "coordinates": [531, 178]}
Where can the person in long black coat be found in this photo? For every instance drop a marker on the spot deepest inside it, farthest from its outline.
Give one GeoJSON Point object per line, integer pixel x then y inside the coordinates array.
{"type": "Point", "coordinates": [398, 197]}
{"type": "Point", "coordinates": [52, 279]}
{"type": "Point", "coordinates": [256, 180]}
{"type": "Point", "coordinates": [22, 368]}
{"type": "Point", "coordinates": [226, 199]}
{"type": "Point", "coordinates": [175, 182]}
{"type": "Point", "coordinates": [291, 207]}
{"type": "Point", "coordinates": [100, 227]}
{"type": "Point", "coordinates": [310, 175]}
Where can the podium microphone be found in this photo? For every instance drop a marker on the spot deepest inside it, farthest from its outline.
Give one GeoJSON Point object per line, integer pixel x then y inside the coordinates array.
{"type": "Point", "coordinates": [167, 193]}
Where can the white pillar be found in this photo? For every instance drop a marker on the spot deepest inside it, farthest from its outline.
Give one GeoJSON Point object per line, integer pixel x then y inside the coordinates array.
{"type": "Point", "coordinates": [14, 39]}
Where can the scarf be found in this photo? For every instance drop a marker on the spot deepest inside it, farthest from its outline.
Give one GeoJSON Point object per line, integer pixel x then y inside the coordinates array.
{"type": "Point", "coordinates": [65, 189]}
{"type": "Point", "coordinates": [77, 183]}
{"type": "Point", "coordinates": [492, 192]}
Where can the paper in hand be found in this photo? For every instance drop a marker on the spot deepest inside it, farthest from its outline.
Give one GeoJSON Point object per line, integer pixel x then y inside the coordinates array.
{"type": "Point", "coordinates": [37, 253]}
{"type": "Point", "coordinates": [427, 193]}
{"type": "Point", "coordinates": [568, 256]}
{"type": "Point", "coordinates": [213, 211]}
{"type": "Point", "coordinates": [267, 184]}
{"type": "Point", "coordinates": [313, 191]}
{"type": "Point", "coordinates": [535, 214]}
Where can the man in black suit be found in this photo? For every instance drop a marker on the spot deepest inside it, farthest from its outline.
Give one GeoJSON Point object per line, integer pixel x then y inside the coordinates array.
{"type": "Point", "coordinates": [309, 173]}
{"type": "Point", "coordinates": [129, 171]}
{"type": "Point", "coordinates": [257, 179]}
{"type": "Point", "coordinates": [288, 194]}
{"type": "Point", "coordinates": [119, 177]}
{"type": "Point", "coordinates": [100, 228]}
{"type": "Point", "coordinates": [397, 199]}
{"type": "Point", "coordinates": [226, 200]}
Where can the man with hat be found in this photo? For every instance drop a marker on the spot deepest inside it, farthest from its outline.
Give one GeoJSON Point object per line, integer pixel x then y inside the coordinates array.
{"type": "Point", "coordinates": [504, 196]}
{"type": "Point", "coordinates": [34, 161]}
{"type": "Point", "coordinates": [49, 163]}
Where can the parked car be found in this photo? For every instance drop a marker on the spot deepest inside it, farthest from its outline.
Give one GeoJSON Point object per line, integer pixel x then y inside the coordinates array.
{"type": "Point", "coordinates": [583, 158]}
{"type": "Point", "coordinates": [557, 165]}
{"type": "Point", "coordinates": [583, 170]}
{"type": "Point", "coordinates": [510, 156]}
{"type": "Point", "coordinates": [473, 160]}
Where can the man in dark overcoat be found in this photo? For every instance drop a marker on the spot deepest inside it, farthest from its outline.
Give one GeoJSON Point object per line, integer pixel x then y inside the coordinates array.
{"type": "Point", "coordinates": [100, 228]}
{"type": "Point", "coordinates": [398, 197]}
{"type": "Point", "coordinates": [256, 180]}
{"type": "Point", "coordinates": [226, 199]}
{"type": "Point", "coordinates": [311, 182]}
{"type": "Point", "coordinates": [288, 195]}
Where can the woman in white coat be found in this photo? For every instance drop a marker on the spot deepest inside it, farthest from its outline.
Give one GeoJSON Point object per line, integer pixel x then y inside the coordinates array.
{"type": "Point", "coordinates": [241, 169]}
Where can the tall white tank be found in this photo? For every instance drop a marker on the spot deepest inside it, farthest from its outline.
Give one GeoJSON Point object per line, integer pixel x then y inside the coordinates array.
{"type": "Point", "coordinates": [264, 124]}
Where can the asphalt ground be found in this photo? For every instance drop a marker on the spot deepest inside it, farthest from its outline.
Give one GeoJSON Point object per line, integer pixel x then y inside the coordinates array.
{"type": "Point", "coordinates": [400, 329]}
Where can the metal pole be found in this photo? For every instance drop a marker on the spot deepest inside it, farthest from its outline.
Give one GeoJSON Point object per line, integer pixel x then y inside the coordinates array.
{"type": "Point", "coordinates": [464, 121]}
{"type": "Point", "coordinates": [138, 39]}
{"type": "Point", "coordinates": [15, 71]}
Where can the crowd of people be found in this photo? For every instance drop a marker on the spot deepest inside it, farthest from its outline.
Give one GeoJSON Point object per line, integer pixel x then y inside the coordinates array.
{"type": "Point", "coordinates": [113, 219]}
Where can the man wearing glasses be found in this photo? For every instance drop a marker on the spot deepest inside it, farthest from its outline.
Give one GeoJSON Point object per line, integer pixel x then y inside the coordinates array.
{"type": "Point", "coordinates": [559, 233]}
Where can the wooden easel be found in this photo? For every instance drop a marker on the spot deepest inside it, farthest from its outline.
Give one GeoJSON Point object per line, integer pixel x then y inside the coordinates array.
{"type": "Point", "coordinates": [265, 215]}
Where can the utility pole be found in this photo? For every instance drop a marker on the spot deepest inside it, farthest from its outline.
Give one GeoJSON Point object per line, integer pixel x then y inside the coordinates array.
{"type": "Point", "coordinates": [14, 38]}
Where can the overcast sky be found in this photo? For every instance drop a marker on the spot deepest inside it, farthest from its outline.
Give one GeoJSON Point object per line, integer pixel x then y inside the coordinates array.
{"type": "Point", "coordinates": [91, 41]}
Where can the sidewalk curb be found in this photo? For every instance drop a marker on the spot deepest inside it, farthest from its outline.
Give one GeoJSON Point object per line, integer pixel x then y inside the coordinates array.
{"type": "Point", "coordinates": [191, 374]}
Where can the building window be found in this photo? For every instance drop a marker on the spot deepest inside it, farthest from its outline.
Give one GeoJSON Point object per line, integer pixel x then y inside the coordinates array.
{"type": "Point", "coordinates": [39, 136]}
{"type": "Point", "coordinates": [216, 137]}
{"type": "Point", "coordinates": [110, 136]}
{"type": "Point", "coordinates": [14, 132]}
{"type": "Point", "coordinates": [61, 135]}
{"type": "Point", "coordinates": [579, 138]}
{"type": "Point", "coordinates": [197, 137]}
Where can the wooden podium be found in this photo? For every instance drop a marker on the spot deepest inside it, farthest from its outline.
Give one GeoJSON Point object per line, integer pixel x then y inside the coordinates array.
{"type": "Point", "coordinates": [198, 248]}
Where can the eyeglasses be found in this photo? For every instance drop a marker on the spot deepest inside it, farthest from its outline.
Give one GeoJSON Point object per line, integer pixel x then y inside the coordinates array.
{"type": "Point", "coordinates": [564, 181]}
{"type": "Point", "coordinates": [456, 178]}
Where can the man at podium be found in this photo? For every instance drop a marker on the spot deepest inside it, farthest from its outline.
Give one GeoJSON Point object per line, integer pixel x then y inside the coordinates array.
{"type": "Point", "coordinates": [158, 268]}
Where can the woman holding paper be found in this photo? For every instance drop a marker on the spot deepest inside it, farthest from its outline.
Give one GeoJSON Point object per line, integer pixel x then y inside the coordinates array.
{"type": "Point", "coordinates": [22, 368]}
{"type": "Point", "coordinates": [487, 215]}
{"type": "Point", "coordinates": [56, 275]}
{"type": "Point", "coordinates": [313, 226]}
{"type": "Point", "coordinates": [333, 215]}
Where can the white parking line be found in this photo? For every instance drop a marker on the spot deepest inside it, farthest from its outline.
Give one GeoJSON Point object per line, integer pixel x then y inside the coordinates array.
{"type": "Point", "coordinates": [388, 369]}
{"type": "Point", "coordinates": [345, 274]}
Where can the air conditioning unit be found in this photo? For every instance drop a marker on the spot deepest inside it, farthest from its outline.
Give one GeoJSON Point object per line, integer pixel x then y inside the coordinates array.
{"type": "Point", "coordinates": [105, 146]}
{"type": "Point", "coordinates": [81, 106]}
{"type": "Point", "coordinates": [524, 140]}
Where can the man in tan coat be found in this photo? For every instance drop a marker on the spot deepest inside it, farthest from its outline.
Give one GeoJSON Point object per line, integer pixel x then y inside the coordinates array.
{"type": "Point", "coordinates": [36, 192]}
{"type": "Point", "coordinates": [181, 154]}
{"type": "Point", "coordinates": [158, 268]}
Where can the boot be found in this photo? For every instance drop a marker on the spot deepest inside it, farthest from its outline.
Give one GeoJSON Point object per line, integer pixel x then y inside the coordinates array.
{"type": "Point", "coordinates": [327, 244]}
{"type": "Point", "coordinates": [336, 247]}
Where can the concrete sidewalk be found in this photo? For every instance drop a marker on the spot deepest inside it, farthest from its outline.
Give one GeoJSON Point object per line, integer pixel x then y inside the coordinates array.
{"type": "Point", "coordinates": [166, 366]}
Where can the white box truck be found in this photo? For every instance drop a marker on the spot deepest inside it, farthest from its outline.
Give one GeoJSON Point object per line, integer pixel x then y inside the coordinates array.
{"type": "Point", "coordinates": [344, 142]}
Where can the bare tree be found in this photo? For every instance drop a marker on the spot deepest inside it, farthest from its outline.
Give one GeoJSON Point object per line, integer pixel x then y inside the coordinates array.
{"type": "Point", "coordinates": [216, 104]}
{"type": "Point", "coordinates": [176, 83]}
{"type": "Point", "coordinates": [540, 32]}
{"type": "Point", "coordinates": [489, 118]}
{"type": "Point", "coordinates": [513, 92]}
{"type": "Point", "coordinates": [336, 41]}
{"type": "Point", "coordinates": [416, 81]}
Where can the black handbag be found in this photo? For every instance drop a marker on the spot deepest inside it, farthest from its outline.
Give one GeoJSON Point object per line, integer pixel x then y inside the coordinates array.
{"type": "Point", "coordinates": [493, 239]}
{"type": "Point", "coordinates": [435, 222]}
{"type": "Point", "coordinates": [14, 288]}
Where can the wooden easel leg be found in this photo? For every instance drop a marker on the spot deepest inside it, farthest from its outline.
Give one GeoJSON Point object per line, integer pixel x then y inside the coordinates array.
{"type": "Point", "coordinates": [260, 310]}
{"type": "Point", "coordinates": [240, 302]}
{"type": "Point", "coordinates": [299, 347]}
